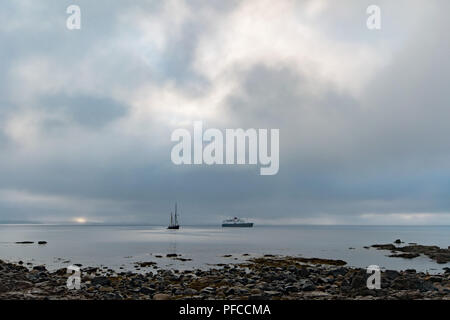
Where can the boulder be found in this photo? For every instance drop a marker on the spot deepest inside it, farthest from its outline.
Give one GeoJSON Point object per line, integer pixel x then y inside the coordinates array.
{"type": "Point", "coordinates": [102, 281]}
{"type": "Point", "coordinates": [39, 268]}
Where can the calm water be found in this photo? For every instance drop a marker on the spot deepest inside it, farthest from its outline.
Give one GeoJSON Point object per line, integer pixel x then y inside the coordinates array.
{"type": "Point", "coordinates": [122, 246]}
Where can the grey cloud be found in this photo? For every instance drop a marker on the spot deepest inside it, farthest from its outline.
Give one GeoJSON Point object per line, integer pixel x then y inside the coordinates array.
{"type": "Point", "coordinates": [384, 153]}
{"type": "Point", "coordinates": [341, 156]}
{"type": "Point", "coordinates": [84, 110]}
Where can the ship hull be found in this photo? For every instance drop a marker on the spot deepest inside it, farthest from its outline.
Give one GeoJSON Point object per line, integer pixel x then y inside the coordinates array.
{"type": "Point", "coordinates": [173, 227]}
{"type": "Point", "coordinates": [237, 225]}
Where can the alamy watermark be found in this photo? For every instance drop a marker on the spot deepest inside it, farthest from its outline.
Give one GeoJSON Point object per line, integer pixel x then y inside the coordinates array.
{"type": "Point", "coordinates": [73, 22]}
{"type": "Point", "coordinates": [239, 147]}
{"type": "Point", "coordinates": [74, 280]}
{"type": "Point", "coordinates": [374, 20]}
{"type": "Point", "coordinates": [374, 280]}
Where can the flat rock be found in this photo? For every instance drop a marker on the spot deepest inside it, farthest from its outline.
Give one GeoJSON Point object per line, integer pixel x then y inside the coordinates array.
{"type": "Point", "coordinates": [161, 296]}
{"type": "Point", "coordinates": [405, 255]}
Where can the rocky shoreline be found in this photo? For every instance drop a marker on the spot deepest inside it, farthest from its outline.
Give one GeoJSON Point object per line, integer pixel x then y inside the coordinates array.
{"type": "Point", "coordinates": [268, 277]}
{"type": "Point", "coordinates": [413, 250]}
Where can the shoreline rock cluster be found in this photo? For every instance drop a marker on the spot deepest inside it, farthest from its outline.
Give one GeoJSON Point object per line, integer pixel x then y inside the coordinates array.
{"type": "Point", "coordinates": [413, 250]}
{"type": "Point", "coordinates": [268, 277]}
{"type": "Point", "coordinates": [31, 242]}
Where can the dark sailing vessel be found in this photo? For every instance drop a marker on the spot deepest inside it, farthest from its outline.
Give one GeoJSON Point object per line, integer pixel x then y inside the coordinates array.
{"type": "Point", "coordinates": [174, 220]}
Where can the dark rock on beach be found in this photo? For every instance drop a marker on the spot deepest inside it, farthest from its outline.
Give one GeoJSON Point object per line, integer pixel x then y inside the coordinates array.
{"type": "Point", "coordinates": [405, 255]}
{"type": "Point", "coordinates": [39, 268]}
{"type": "Point", "coordinates": [388, 246]}
{"type": "Point", "coordinates": [102, 281]}
{"type": "Point", "coordinates": [146, 264]}
{"type": "Point", "coordinates": [183, 259]}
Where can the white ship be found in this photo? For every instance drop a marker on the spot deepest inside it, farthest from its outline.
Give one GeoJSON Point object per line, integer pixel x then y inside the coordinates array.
{"type": "Point", "coordinates": [237, 223]}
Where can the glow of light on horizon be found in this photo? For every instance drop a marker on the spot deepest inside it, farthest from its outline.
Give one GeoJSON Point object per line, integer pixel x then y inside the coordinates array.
{"type": "Point", "coordinates": [80, 220]}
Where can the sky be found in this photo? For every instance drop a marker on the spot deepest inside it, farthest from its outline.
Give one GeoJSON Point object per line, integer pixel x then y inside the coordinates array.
{"type": "Point", "coordinates": [86, 115]}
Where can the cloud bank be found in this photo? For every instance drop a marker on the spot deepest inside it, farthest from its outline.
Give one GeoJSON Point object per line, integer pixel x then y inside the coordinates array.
{"type": "Point", "coordinates": [86, 116]}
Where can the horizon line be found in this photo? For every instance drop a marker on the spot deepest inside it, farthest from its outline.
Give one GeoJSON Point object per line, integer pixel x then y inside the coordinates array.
{"type": "Point", "coordinates": [213, 224]}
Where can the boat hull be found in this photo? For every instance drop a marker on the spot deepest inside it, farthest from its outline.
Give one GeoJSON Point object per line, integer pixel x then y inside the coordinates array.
{"type": "Point", "coordinates": [238, 225]}
{"type": "Point", "coordinates": [173, 227]}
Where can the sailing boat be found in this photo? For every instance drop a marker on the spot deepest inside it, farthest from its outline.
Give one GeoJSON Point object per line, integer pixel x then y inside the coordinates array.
{"type": "Point", "coordinates": [174, 220]}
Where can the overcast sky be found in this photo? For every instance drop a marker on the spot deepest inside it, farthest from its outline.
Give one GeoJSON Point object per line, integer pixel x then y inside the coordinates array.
{"type": "Point", "coordinates": [86, 115]}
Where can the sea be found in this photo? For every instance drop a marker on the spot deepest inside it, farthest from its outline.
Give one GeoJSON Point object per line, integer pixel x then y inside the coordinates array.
{"type": "Point", "coordinates": [202, 247]}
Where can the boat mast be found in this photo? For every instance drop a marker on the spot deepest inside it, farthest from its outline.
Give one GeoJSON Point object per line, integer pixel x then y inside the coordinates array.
{"type": "Point", "coordinates": [176, 219]}
{"type": "Point", "coordinates": [171, 219]}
